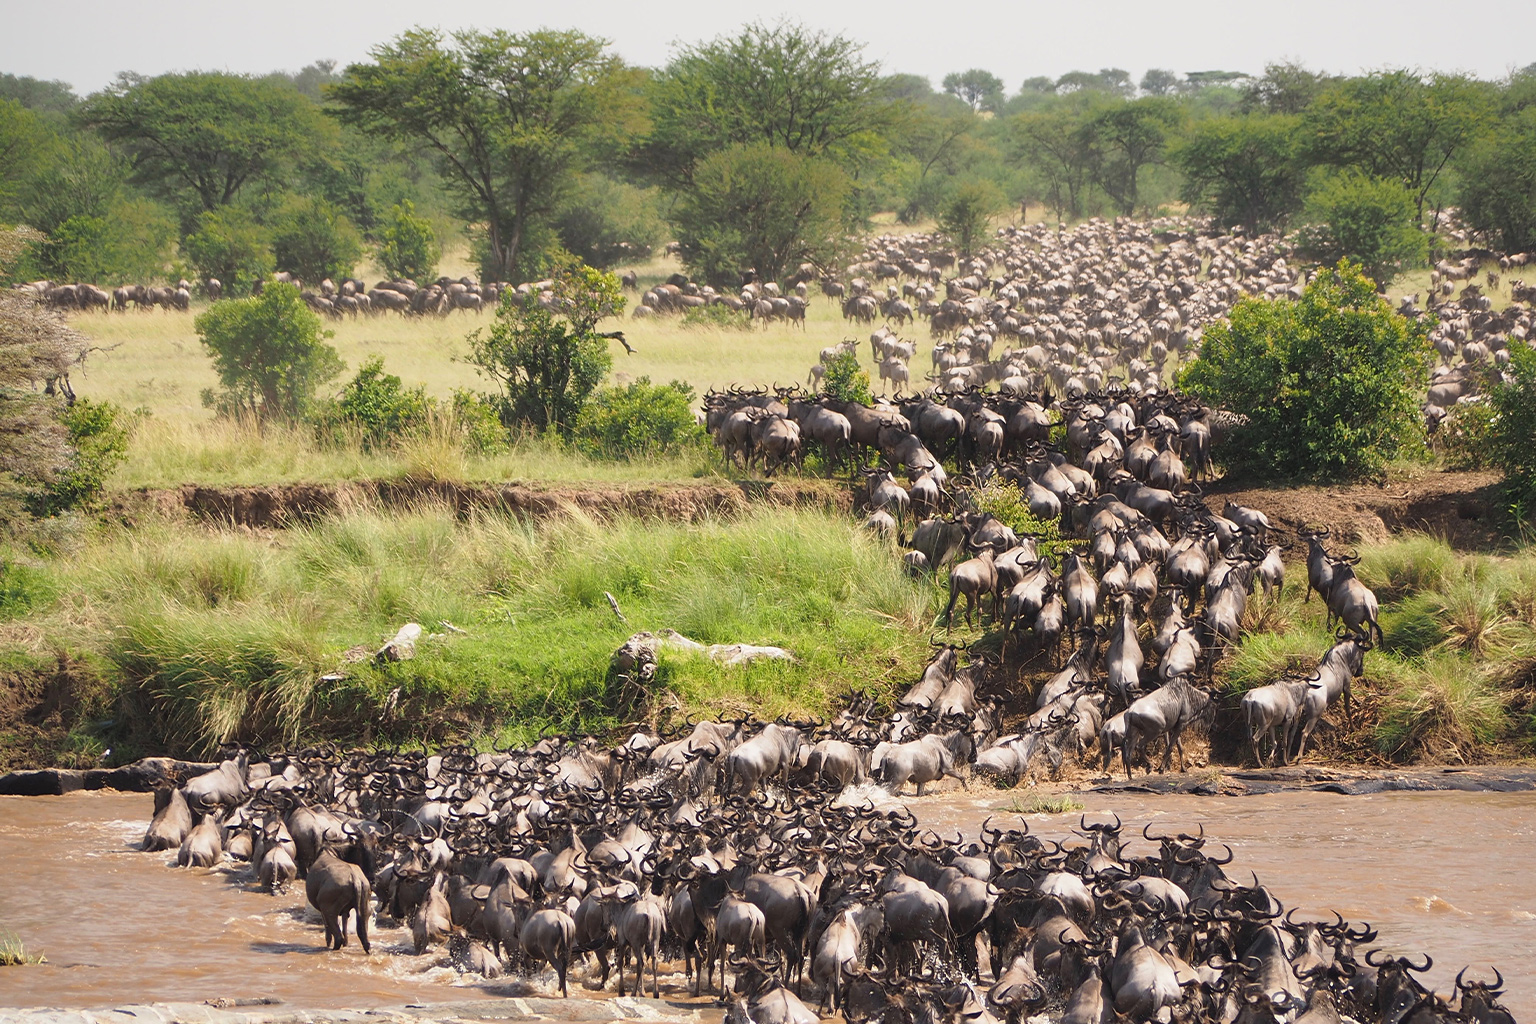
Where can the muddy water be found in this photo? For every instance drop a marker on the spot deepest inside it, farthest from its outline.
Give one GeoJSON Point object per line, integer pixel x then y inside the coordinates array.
{"type": "Point", "coordinates": [1452, 874]}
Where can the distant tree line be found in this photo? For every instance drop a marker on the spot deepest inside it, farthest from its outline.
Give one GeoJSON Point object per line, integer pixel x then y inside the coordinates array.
{"type": "Point", "coordinates": [758, 150]}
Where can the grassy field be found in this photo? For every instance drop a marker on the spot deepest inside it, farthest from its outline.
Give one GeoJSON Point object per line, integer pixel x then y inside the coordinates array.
{"type": "Point", "coordinates": [155, 363]}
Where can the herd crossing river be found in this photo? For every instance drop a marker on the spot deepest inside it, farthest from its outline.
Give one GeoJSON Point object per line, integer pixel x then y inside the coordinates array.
{"type": "Point", "coordinates": [1443, 873]}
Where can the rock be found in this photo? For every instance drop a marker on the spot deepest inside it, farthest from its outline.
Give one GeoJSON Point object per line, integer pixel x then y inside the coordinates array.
{"type": "Point", "coordinates": [403, 646]}
{"type": "Point", "coordinates": [42, 782]}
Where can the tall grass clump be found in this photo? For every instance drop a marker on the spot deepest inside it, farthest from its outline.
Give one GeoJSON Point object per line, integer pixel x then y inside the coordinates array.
{"type": "Point", "coordinates": [13, 953]}
{"type": "Point", "coordinates": [226, 635]}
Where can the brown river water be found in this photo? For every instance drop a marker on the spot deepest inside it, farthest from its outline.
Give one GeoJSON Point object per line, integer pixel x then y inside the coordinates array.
{"type": "Point", "coordinates": [1453, 874]}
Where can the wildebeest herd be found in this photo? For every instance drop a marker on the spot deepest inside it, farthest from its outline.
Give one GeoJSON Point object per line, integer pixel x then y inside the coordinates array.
{"type": "Point", "coordinates": [735, 849]}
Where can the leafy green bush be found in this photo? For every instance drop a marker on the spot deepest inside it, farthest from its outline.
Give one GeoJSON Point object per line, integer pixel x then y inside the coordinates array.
{"type": "Point", "coordinates": [845, 380]}
{"type": "Point", "coordinates": [478, 423]}
{"type": "Point", "coordinates": [1330, 384]}
{"type": "Point", "coordinates": [269, 352]}
{"type": "Point", "coordinates": [99, 442]}
{"type": "Point", "coordinates": [231, 246]}
{"type": "Point", "coordinates": [639, 420]}
{"type": "Point", "coordinates": [548, 359]}
{"type": "Point", "coordinates": [606, 221]}
{"type": "Point", "coordinates": [1373, 221]}
{"type": "Point", "coordinates": [1006, 503]}
{"type": "Point", "coordinates": [408, 246]}
{"type": "Point", "coordinates": [966, 213]}
{"type": "Point", "coordinates": [378, 406]}
{"type": "Point", "coordinates": [312, 241]}
{"type": "Point", "coordinates": [1511, 430]}
{"type": "Point", "coordinates": [716, 317]}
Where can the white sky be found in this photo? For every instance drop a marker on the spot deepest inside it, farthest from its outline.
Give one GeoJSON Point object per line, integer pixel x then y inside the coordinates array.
{"type": "Point", "coordinates": [86, 42]}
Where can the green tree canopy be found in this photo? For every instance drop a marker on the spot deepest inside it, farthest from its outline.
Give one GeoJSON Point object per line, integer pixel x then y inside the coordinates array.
{"type": "Point", "coordinates": [311, 240]}
{"type": "Point", "coordinates": [408, 246]}
{"type": "Point", "coordinates": [1511, 430]}
{"type": "Point", "coordinates": [1498, 183]}
{"type": "Point", "coordinates": [26, 147]}
{"type": "Point", "coordinates": [781, 86]}
{"type": "Point", "coordinates": [762, 207]}
{"type": "Point", "coordinates": [199, 137]}
{"type": "Point", "coordinates": [36, 94]}
{"type": "Point", "coordinates": [1285, 88]}
{"type": "Point", "coordinates": [1351, 215]}
{"type": "Point", "coordinates": [547, 358]}
{"type": "Point", "coordinates": [229, 245]}
{"type": "Point", "coordinates": [510, 117]}
{"type": "Point", "coordinates": [1160, 82]}
{"type": "Point", "coordinates": [1246, 171]}
{"type": "Point", "coordinates": [1330, 384]}
{"type": "Point", "coordinates": [1127, 138]}
{"type": "Point", "coordinates": [966, 214]}
{"type": "Point", "coordinates": [269, 352]}
{"type": "Point", "coordinates": [1398, 125]}
{"type": "Point", "coordinates": [979, 88]}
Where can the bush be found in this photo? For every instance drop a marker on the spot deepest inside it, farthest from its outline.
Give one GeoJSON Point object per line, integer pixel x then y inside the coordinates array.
{"type": "Point", "coordinates": [98, 443]}
{"type": "Point", "coordinates": [548, 359]}
{"type": "Point", "coordinates": [1006, 503]}
{"type": "Point", "coordinates": [478, 423]}
{"type": "Point", "coordinates": [408, 246]}
{"type": "Point", "coordinates": [269, 352]}
{"type": "Point", "coordinates": [1370, 220]}
{"type": "Point", "coordinates": [1330, 384]}
{"type": "Point", "coordinates": [761, 207]}
{"type": "Point", "coordinates": [845, 380]}
{"type": "Point", "coordinates": [717, 317]}
{"type": "Point", "coordinates": [1511, 430]}
{"type": "Point", "coordinates": [312, 241]}
{"type": "Point", "coordinates": [966, 213]}
{"type": "Point", "coordinates": [1498, 183]}
{"type": "Point", "coordinates": [378, 406]}
{"type": "Point", "coordinates": [639, 420]}
{"type": "Point", "coordinates": [231, 246]}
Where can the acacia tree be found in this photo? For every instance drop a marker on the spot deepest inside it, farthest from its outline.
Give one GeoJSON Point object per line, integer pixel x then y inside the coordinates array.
{"type": "Point", "coordinates": [203, 134]}
{"type": "Point", "coordinates": [979, 88]}
{"type": "Point", "coordinates": [1126, 138]}
{"type": "Point", "coordinates": [1397, 125]}
{"type": "Point", "coordinates": [1244, 170]}
{"type": "Point", "coordinates": [781, 85]}
{"type": "Point", "coordinates": [966, 213]}
{"type": "Point", "coordinates": [1060, 145]}
{"type": "Point", "coordinates": [511, 117]}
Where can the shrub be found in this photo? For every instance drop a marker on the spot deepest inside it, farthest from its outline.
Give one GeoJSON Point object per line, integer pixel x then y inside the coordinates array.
{"type": "Point", "coordinates": [379, 406]}
{"type": "Point", "coordinates": [606, 221]}
{"type": "Point", "coordinates": [408, 246]}
{"type": "Point", "coordinates": [1330, 384]}
{"type": "Point", "coordinates": [548, 359]}
{"type": "Point", "coordinates": [1006, 503]}
{"type": "Point", "coordinates": [230, 246]}
{"type": "Point", "coordinates": [1511, 430]}
{"type": "Point", "coordinates": [845, 380]}
{"type": "Point", "coordinates": [312, 241]}
{"type": "Point", "coordinates": [23, 589]}
{"type": "Point", "coordinates": [478, 423]}
{"type": "Point", "coordinates": [98, 443]}
{"type": "Point", "coordinates": [716, 316]}
{"type": "Point", "coordinates": [1370, 220]}
{"type": "Point", "coordinates": [639, 420]}
{"type": "Point", "coordinates": [269, 352]}
{"type": "Point", "coordinates": [964, 214]}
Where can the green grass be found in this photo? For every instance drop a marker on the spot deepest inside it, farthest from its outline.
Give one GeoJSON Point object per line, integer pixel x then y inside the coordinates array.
{"type": "Point", "coordinates": [1449, 681]}
{"type": "Point", "coordinates": [227, 635]}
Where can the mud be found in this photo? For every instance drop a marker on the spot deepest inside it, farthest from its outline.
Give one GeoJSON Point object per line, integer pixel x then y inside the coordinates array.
{"type": "Point", "coordinates": [280, 505]}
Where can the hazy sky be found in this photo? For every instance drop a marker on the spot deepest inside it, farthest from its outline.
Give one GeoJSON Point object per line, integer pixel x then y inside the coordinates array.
{"type": "Point", "coordinates": [1015, 40]}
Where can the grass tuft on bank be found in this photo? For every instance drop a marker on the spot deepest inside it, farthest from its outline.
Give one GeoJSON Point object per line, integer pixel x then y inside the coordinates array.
{"type": "Point", "coordinates": [212, 635]}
